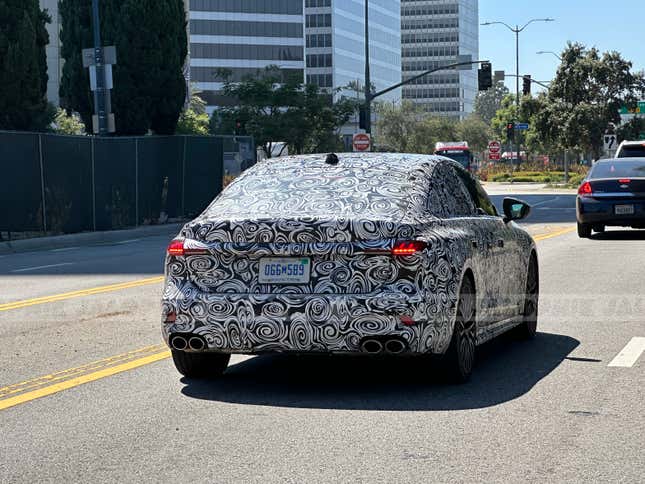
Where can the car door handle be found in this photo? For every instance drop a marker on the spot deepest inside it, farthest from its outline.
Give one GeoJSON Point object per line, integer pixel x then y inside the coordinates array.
{"type": "Point", "coordinates": [475, 244]}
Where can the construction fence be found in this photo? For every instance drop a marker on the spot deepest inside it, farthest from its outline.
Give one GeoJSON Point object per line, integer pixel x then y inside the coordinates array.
{"type": "Point", "coordinates": [53, 184]}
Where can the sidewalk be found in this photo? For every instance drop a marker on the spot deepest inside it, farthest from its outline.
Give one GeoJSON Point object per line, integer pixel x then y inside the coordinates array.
{"type": "Point", "coordinates": [87, 238]}
{"type": "Point", "coordinates": [497, 188]}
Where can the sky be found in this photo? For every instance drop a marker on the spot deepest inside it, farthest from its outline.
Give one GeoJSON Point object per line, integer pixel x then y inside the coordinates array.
{"type": "Point", "coordinates": [617, 25]}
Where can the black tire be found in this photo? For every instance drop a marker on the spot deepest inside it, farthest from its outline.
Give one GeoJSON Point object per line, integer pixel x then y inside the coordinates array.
{"type": "Point", "coordinates": [459, 360]}
{"type": "Point", "coordinates": [599, 229]}
{"type": "Point", "coordinates": [584, 230]}
{"type": "Point", "coordinates": [528, 327]}
{"type": "Point", "coordinates": [200, 365]}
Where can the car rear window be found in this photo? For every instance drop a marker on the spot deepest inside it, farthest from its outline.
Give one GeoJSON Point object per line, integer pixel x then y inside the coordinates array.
{"type": "Point", "coordinates": [619, 169]}
{"type": "Point", "coordinates": [281, 191]}
{"type": "Point", "coordinates": [636, 151]}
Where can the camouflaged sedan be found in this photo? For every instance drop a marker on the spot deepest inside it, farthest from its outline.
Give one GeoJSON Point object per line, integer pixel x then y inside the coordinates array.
{"type": "Point", "coordinates": [360, 253]}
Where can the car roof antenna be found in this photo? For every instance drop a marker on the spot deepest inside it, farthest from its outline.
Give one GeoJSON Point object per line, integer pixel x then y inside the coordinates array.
{"type": "Point", "coordinates": [331, 159]}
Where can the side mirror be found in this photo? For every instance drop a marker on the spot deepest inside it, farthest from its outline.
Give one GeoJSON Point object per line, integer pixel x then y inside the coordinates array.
{"type": "Point", "coordinates": [515, 209]}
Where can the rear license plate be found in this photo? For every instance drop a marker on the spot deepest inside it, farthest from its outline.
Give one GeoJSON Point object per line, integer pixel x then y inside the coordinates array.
{"type": "Point", "coordinates": [624, 209]}
{"type": "Point", "coordinates": [284, 270]}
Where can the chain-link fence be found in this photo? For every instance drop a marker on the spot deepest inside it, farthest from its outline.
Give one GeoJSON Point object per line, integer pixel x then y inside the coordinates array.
{"type": "Point", "coordinates": [67, 184]}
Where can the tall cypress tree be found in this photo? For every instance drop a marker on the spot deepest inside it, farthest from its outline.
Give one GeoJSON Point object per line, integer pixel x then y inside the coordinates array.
{"type": "Point", "coordinates": [150, 36]}
{"type": "Point", "coordinates": [23, 66]}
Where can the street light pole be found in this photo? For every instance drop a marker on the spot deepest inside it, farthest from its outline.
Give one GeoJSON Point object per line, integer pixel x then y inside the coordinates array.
{"type": "Point", "coordinates": [550, 52]}
{"type": "Point", "coordinates": [100, 98]}
{"type": "Point", "coordinates": [517, 30]}
{"type": "Point", "coordinates": [368, 83]}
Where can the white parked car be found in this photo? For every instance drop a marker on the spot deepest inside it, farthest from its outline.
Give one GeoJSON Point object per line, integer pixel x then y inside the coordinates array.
{"type": "Point", "coordinates": [631, 149]}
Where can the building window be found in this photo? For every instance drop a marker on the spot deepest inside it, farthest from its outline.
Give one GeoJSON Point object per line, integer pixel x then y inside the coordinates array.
{"type": "Point", "coordinates": [319, 40]}
{"type": "Point", "coordinates": [319, 60]}
{"type": "Point", "coordinates": [318, 20]}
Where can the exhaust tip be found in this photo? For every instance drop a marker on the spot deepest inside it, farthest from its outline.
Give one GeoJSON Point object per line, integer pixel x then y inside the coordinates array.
{"type": "Point", "coordinates": [372, 346]}
{"type": "Point", "coordinates": [395, 346]}
{"type": "Point", "coordinates": [179, 343]}
{"type": "Point", "coordinates": [196, 344]}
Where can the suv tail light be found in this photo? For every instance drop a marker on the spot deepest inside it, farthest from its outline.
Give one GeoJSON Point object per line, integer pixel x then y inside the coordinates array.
{"type": "Point", "coordinates": [585, 190]}
{"type": "Point", "coordinates": [408, 247]}
{"type": "Point", "coordinates": [176, 248]}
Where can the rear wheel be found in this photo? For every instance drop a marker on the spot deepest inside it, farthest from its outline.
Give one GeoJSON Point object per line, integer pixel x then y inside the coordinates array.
{"type": "Point", "coordinates": [584, 230]}
{"type": "Point", "coordinates": [460, 357]}
{"type": "Point", "coordinates": [200, 365]}
{"type": "Point", "coordinates": [528, 327]}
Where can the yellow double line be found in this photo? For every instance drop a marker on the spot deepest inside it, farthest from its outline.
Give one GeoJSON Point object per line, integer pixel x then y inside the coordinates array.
{"type": "Point", "coordinates": [43, 386]}
{"type": "Point", "coordinates": [83, 292]}
{"type": "Point", "coordinates": [23, 392]}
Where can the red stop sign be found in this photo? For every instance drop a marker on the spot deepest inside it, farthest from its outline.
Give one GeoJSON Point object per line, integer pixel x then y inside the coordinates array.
{"type": "Point", "coordinates": [494, 147]}
{"type": "Point", "coordinates": [361, 142]}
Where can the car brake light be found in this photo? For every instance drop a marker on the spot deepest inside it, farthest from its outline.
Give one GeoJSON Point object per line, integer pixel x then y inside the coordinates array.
{"type": "Point", "coordinates": [585, 190]}
{"type": "Point", "coordinates": [408, 247]}
{"type": "Point", "coordinates": [624, 180]}
{"type": "Point", "coordinates": [176, 248]}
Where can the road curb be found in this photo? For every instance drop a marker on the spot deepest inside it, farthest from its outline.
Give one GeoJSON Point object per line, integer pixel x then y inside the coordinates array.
{"type": "Point", "coordinates": [88, 238]}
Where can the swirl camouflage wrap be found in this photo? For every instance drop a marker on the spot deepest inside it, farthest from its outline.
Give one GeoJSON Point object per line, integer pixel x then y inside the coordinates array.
{"type": "Point", "coordinates": [299, 255]}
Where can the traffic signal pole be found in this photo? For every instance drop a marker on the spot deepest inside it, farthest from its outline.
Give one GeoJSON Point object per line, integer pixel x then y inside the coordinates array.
{"type": "Point", "coordinates": [100, 98]}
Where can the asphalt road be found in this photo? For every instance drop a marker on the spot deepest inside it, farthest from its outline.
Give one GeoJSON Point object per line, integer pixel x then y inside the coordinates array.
{"type": "Point", "coordinates": [87, 394]}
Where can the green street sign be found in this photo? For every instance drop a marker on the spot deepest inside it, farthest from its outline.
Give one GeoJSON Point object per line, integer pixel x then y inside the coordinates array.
{"type": "Point", "coordinates": [639, 109]}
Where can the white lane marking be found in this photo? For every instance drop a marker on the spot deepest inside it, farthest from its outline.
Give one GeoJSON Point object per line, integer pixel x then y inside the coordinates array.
{"type": "Point", "coordinates": [64, 249]}
{"type": "Point", "coordinates": [629, 354]}
{"type": "Point", "coordinates": [127, 241]}
{"type": "Point", "coordinates": [545, 201]}
{"type": "Point", "coordinates": [26, 269]}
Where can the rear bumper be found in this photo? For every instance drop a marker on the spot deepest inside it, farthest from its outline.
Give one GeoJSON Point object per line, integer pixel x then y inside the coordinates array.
{"type": "Point", "coordinates": [265, 323]}
{"type": "Point", "coordinates": [594, 211]}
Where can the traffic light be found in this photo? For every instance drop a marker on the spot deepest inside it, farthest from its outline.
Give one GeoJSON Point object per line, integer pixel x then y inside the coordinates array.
{"type": "Point", "coordinates": [362, 117]}
{"type": "Point", "coordinates": [527, 85]}
{"type": "Point", "coordinates": [485, 76]}
{"type": "Point", "coordinates": [510, 131]}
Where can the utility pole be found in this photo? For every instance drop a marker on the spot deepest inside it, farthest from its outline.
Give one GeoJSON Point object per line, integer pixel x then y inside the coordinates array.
{"type": "Point", "coordinates": [368, 82]}
{"type": "Point", "coordinates": [100, 98]}
{"type": "Point", "coordinates": [517, 91]}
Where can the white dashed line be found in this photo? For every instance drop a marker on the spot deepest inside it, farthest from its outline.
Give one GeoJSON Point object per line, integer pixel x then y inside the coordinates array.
{"type": "Point", "coordinates": [27, 269]}
{"type": "Point", "coordinates": [127, 241]}
{"type": "Point", "coordinates": [630, 353]}
{"type": "Point", "coordinates": [64, 249]}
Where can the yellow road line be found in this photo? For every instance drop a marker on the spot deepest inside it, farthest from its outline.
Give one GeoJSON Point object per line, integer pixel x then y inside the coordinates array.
{"type": "Point", "coordinates": [73, 372]}
{"type": "Point", "coordinates": [81, 380]}
{"type": "Point", "coordinates": [83, 292]}
{"type": "Point", "coordinates": [557, 233]}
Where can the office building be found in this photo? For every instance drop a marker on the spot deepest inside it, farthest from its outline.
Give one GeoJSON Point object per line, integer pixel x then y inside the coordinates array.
{"type": "Point", "coordinates": [54, 61]}
{"type": "Point", "coordinates": [243, 37]}
{"type": "Point", "coordinates": [434, 33]}
{"type": "Point", "coordinates": [335, 47]}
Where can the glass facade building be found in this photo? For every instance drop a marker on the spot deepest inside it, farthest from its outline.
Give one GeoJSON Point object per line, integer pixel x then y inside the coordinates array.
{"type": "Point", "coordinates": [243, 37]}
{"type": "Point", "coordinates": [335, 47]}
{"type": "Point", "coordinates": [434, 33]}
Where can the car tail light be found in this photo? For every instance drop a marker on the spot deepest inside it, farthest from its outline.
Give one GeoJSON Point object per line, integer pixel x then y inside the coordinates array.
{"type": "Point", "coordinates": [585, 190]}
{"type": "Point", "coordinates": [176, 248]}
{"type": "Point", "coordinates": [408, 247]}
{"type": "Point", "coordinates": [624, 180]}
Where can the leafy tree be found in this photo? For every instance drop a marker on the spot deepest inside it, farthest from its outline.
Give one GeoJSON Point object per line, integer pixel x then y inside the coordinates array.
{"type": "Point", "coordinates": [68, 123]}
{"type": "Point", "coordinates": [194, 120]}
{"type": "Point", "coordinates": [489, 102]}
{"type": "Point", "coordinates": [585, 97]}
{"type": "Point", "coordinates": [397, 125]}
{"type": "Point", "coordinates": [149, 86]}
{"type": "Point", "coordinates": [23, 66]}
{"type": "Point", "coordinates": [631, 130]}
{"type": "Point", "coordinates": [476, 131]}
{"type": "Point", "coordinates": [274, 110]}
{"type": "Point", "coordinates": [407, 129]}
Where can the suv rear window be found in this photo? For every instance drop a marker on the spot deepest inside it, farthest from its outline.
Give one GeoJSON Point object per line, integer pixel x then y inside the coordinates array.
{"type": "Point", "coordinates": [632, 151]}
